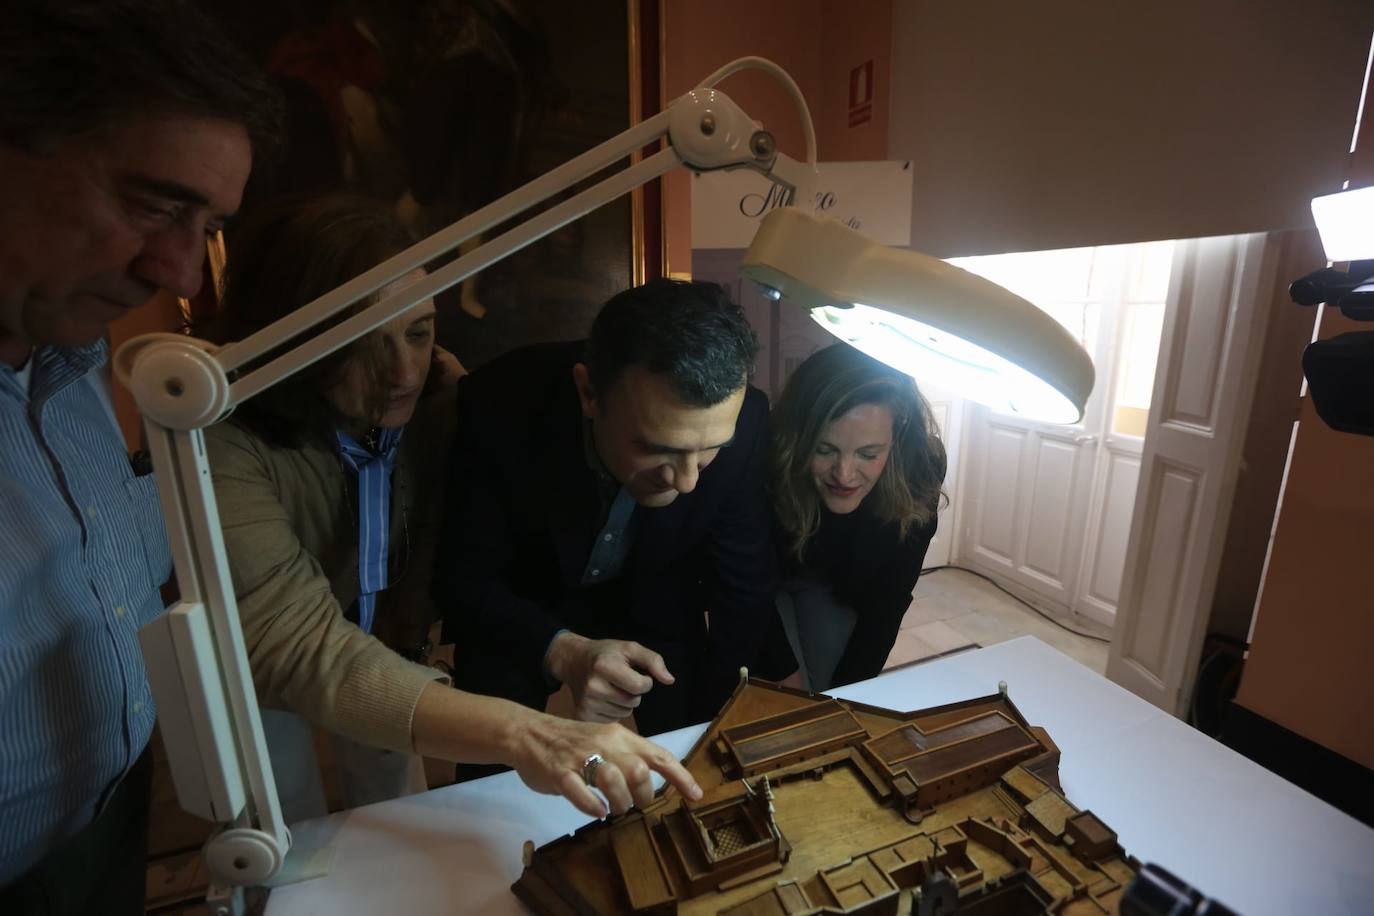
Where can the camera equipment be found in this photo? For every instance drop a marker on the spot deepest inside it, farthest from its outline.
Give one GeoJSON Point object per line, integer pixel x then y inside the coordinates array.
{"type": "Point", "coordinates": [1340, 370]}
{"type": "Point", "coordinates": [1155, 892]}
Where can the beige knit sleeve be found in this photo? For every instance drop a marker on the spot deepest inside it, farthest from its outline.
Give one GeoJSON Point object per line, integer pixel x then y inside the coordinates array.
{"type": "Point", "coordinates": [304, 655]}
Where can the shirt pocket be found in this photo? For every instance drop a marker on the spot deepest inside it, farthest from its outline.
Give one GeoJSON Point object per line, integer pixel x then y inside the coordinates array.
{"type": "Point", "coordinates": [149, 534]}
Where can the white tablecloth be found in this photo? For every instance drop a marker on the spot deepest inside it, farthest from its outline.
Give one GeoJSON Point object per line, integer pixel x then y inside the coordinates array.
{"type": "Point", "coordinates": [1174, 796]}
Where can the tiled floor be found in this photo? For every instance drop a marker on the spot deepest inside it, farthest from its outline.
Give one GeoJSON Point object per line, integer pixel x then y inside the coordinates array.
{"type": "Point", "coordinates": [956, 610]}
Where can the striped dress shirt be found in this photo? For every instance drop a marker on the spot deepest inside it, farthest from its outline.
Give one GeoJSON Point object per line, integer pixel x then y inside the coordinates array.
{"type": "Point", "coordinates": [82, 553]}
{"type": "Point", "coordinates": [372, 468]}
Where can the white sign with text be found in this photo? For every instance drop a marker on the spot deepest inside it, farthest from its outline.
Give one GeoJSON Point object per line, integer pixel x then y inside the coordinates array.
{"type": "Point", "coordinates": [872, 197]}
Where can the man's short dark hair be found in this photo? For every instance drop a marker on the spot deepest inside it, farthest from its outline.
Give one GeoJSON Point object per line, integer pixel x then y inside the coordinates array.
{"type": "Point", "coordinates": [73, 67]}
{"type": "Point", "coordinates": [688, 332]}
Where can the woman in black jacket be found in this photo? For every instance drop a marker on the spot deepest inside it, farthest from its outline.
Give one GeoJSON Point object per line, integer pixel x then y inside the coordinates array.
{"type": "Point", "coordinates": [857, 465]}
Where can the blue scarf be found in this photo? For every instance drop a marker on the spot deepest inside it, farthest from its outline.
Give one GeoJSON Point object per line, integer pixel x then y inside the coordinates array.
{"type": "Point", "coordinates": [373, 469]}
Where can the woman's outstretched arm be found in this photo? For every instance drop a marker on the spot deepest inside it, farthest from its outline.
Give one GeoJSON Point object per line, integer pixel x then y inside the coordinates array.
{"type": "Point", "coordinates": [547, 752]}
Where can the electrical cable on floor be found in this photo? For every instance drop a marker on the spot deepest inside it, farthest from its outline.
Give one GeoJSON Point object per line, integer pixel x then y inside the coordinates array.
{"type": "Point", "coordinates": [1226, 648]}
{"type": "Point", "coordinates": [999, 587]}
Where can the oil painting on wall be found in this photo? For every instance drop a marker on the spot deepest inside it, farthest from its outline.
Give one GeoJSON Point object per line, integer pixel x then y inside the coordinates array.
{"type": "Point", "coordinates": [441, 106]}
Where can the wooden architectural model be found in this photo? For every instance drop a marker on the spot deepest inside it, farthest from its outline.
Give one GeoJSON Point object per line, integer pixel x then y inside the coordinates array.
{"type": "Point", "coordinates": [814, 805]}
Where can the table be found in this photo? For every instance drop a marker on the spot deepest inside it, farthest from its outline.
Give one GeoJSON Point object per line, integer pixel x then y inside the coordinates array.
{"type": "Point", "coordinates": [1174, 796]}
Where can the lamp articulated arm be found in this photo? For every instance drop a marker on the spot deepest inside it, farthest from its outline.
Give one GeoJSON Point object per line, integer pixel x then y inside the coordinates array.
{"type": "Point", "coordinates": [706, 131]}
{"type": "Point", "coordinates": [196, 656]}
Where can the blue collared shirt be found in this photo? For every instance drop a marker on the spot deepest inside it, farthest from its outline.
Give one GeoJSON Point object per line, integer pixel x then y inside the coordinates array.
{"type": "Point", "coordinates": [612, 544]}
{"type": "Point", "coordinates": [82, 554]}
{"type": "Point", "coordinates": [372, 467]}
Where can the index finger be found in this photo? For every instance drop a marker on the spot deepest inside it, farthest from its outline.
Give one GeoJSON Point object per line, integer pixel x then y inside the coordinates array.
{"type": "Point", "coordinates": [622, 675]}
{"type": "Point", "coordinates": [666, 765]}
{"type": "Point", "coordinates": [647, 659]}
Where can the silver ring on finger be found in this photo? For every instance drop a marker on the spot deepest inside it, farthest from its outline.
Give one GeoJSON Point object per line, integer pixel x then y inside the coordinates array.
{"type": "Point", "coordinates": [589, 767]}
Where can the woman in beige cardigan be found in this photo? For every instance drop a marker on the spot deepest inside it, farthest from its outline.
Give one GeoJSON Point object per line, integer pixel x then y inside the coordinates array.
{"type": "Point", "coordinates": [328, 489]}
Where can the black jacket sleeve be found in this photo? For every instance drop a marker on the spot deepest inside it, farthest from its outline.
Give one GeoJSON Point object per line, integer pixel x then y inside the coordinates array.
{"type": "Point", "coordinates": [878, 585]}
{"type": "Point", "coordinates": [477, 562]}
{"type": "Point", "coordinates": [743, 567]}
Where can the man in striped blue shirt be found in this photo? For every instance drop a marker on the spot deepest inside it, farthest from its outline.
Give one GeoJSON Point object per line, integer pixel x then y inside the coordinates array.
{"type": "Point", "coordinates": [126, 135]}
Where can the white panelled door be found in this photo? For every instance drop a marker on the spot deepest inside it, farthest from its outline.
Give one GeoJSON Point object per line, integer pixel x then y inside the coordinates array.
{"type": "Point", "coordinates": [1046, 508]}
{"type": "Point", "coordinates": [1204, 384]}
{"type": "Point", "coordinates": [1029, 490]}
{"type": "Point", "coordinates": [1108, 527]}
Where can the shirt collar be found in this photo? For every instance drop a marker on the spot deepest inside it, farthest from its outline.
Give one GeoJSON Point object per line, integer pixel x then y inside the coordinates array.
{"type": "Point", "coordinates": [52, 368]}
{"type": "Point", "coordinates": [594, 462]}
{"type": "Point", "coordinates": [76, 359]}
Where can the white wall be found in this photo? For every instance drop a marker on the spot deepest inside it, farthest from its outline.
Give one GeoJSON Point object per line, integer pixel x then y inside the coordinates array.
{"type": "Point", "coordinates": [1051, 125]}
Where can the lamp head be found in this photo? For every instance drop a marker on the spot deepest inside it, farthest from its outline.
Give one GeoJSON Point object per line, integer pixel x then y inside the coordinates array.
{"type": "Point", "coordinates": [1345, 222]}
{"type": "Point", "coordinates": [918, 314]}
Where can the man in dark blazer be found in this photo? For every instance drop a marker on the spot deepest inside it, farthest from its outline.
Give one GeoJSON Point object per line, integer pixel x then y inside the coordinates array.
{"type": "Point", "coordinates": [607, 499]}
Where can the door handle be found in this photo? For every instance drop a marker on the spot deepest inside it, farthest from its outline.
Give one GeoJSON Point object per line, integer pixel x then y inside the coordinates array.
{"type": "Point", "coordinates": [1084, 440]}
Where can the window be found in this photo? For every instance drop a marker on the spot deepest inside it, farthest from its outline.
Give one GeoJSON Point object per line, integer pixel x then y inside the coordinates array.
{"type": "Point", "coordinates": [1090, 291]}
{"type": "Point", "coordinates": [1142, 323]}
{"type": "Point", "coordinates": [1068, 284]}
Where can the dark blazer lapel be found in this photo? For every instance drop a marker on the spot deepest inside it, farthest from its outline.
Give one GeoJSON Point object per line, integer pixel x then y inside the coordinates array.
{"type": "Point", "coordinates": [658, 533]}
{"type": "Point", "coordinates": [569, 487]}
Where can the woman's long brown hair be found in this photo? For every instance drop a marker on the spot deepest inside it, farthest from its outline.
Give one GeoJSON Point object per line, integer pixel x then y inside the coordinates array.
{"type": "Point", "coordinates": [829, 384]}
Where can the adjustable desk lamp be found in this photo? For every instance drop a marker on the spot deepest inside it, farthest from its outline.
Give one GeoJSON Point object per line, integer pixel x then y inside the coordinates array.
{"type": "Point", "coordinates": [196, 659]}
